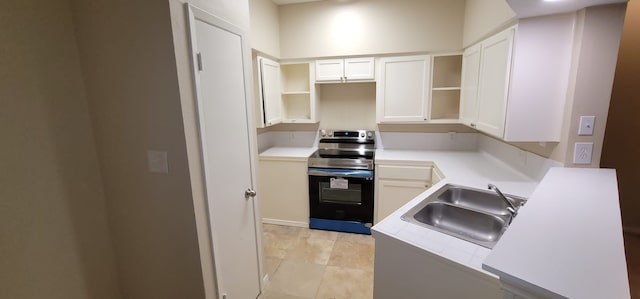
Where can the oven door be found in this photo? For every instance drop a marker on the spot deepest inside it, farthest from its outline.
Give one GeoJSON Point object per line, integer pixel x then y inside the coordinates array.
{"type": "Point", "coordinates": [341, 194]}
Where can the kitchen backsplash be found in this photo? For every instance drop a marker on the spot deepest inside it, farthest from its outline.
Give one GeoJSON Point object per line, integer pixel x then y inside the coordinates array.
{"type": "Point", "coordinates": [427, 141]}
{"type": "Point", "coordinates": [532, 165]}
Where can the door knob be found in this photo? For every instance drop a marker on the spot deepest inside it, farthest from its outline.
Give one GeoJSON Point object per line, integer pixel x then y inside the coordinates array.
{"type": "Point", "coordinates": [249, 193]}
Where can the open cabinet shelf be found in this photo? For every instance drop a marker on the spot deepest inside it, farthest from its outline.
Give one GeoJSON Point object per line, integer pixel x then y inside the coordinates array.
{"type": "Point", "coordinates": [445, 87]}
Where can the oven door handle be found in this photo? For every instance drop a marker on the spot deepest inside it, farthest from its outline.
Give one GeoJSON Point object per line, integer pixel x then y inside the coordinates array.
{"type": "Point", "coordinates": [347, 173]}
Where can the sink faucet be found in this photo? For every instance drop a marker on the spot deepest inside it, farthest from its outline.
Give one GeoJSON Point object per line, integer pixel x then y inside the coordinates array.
{"type": "Point", "coordinates": [511, 207]}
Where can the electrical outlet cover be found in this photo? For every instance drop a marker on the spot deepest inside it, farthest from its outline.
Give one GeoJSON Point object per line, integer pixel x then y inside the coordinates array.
{"type": "Point", "coordinates": [582, 152]}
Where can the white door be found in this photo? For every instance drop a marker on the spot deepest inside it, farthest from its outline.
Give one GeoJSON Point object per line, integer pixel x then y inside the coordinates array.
{"type": "Point", "coordinates": [495, 67]}
{"type": "Point", "coordinates": [271, 91]}
{"type": "Point", "coordinates": [469, 91]}
{"type": "Point", "coordinates": [220, 68]}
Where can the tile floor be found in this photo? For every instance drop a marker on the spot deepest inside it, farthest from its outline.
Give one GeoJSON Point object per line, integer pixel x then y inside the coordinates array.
{"type": "Point", "coordinates": [632, 249]}
{"type": "Point", "coordinates": [314, 264]}
{"type": "Point", "coordinates": [304, 263]}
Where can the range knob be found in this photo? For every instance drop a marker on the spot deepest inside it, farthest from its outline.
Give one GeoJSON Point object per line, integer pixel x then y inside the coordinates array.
{"type": "Point", "coordinates": [323, 133]}
{"type": "Point", "coordinates": [369, 134]}
{"type": "Point", "coordinates": [361, 134]}
{"type": "Point", "coordinates": [330, 134]}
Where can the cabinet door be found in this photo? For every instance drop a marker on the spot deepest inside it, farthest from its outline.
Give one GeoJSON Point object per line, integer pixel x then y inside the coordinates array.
{"type": "Point", "coordinates": [495, 66]}
{"type": "Point", "coordinates": [403, 89]}
{"type": "Point", "coordinates": [393, 194]}
{"type": "Point", "coordinates": [329, 70]}
{"type": "Point", "coordinates": [359, 69]}
{"type": "Point", "coordinates": [469, 88]}
{"type": "Point", "coordinates": [270, 89]}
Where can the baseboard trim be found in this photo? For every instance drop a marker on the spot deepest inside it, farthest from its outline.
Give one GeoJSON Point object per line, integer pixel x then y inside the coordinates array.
{"type": "Point", "coordinates": [285, 222]}
{"type": "Point", "coordinates": [632, 230]}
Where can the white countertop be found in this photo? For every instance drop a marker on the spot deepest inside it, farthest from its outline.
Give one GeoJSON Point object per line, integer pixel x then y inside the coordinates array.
{"type": "Point", "coordinates": [567, 240]}
{"type": "Point", "coordinates": [471, 168]}
{"type": "Point", "coordinates": [474, 169]}
{"type": "Point", "coordinates": [287, 153]}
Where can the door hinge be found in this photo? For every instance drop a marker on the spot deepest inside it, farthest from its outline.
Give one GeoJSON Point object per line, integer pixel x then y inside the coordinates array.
{"type": "Point", "coordinates": [199, 61]}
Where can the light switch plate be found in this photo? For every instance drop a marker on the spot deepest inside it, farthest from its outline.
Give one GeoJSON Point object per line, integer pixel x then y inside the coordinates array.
{"type": "Point", "coordinates": [157, 161]}
{"type": "Point", "coordinates": [586, 125]}
{"type": "Point", "coordinates": [582, 152]}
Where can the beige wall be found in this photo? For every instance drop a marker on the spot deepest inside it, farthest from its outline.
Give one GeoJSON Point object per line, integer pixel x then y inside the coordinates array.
{"type": "Point", "coordinates": [485, 17]}
{"type": "Point", "coordinates": [334, 28]}
{"type": "Point", "coordinates": [265, 27]}
{"type": "Point", "coordinates": [54, 237]}
{"type": "Point", "coordinates": [348, 106]}
{"type": "Point", "coordinates": [129, 65]}
{"type": "Point", "coordinates": [621, 141]}
{"type": "Point", "coordinates": [592, 82]}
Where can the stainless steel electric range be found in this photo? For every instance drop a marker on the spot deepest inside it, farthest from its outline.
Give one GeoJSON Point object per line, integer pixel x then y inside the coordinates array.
{"type": "Point", "coordinates": [341, 181]}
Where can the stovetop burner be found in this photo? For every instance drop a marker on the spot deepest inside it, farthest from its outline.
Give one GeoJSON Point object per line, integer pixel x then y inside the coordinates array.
{"type": "Point", "coordinates": [344, 149]}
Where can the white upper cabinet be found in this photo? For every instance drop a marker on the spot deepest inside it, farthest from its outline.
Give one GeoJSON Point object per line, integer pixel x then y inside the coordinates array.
{"type": "Point", "coordinates": [403, 89]}
{"type": "Point", "coordinates": [286, 93]}
{"type": "Point", "coordinates": [469, 88]}
{"type": "Point", "coordinates": [270, 91]}
{"type": "Point", "coordinates": [329, 70]}
{"type": "Point", "coordinates": [515, 83]}
{"type": "Point", "coordinates": [493, 84]}
{"type": "Point", "coordinates": [345, 70]}
{"type": "Point", "coordinates": [485, 83]}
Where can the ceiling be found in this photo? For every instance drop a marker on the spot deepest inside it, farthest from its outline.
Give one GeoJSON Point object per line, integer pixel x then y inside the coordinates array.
{"type": "Point", "coordinates": [524, 8]}
{"type": "Point", "coordinates": [531, 8]}
{"type": "Point", "coordinates": [284, 2]}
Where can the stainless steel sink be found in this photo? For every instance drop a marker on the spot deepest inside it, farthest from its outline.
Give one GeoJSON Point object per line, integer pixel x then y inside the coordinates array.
{"type": "Point", "coordinates": [474, 215]}
{"type": "Point", "coordinates": [481, 228]}
{"type": "Point", "coordinates": [482, 200]}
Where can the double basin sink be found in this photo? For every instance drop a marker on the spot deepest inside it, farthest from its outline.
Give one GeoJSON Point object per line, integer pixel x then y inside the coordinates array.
{"type": "Point", "coordinates": [474, 215]}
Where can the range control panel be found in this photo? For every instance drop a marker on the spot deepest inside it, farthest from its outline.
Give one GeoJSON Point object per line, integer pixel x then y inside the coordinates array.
{"type": "Point", "coordinates": [353, 134]}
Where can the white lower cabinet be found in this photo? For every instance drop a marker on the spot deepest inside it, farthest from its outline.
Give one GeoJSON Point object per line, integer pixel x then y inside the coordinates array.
{"type": "Point", "coordinates": [398, 184]}
{"type": "Point", "coordinates": [283, 190]}
{"type": "Point", "coordinates": [404, 271]}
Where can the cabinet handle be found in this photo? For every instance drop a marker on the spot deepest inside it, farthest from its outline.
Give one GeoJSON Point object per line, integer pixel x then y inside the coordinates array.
{"type": "Point", "coordinates": [473, 125]}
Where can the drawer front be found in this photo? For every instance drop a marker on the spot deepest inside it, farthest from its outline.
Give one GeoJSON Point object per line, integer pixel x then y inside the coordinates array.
{"type": "Point", "coordinates": [418, 173]}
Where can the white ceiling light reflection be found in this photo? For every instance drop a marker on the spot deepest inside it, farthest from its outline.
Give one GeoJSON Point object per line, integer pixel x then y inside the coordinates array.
{"type": "Point", "coordinates": [346, 29]}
